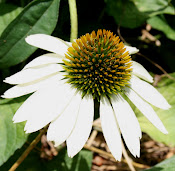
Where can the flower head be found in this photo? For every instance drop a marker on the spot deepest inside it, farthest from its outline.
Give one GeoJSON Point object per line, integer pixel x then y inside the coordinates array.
{"type": "Point", "coordinates": [65, 82]}
{"type": "Point", "coordinates": [98, 64]}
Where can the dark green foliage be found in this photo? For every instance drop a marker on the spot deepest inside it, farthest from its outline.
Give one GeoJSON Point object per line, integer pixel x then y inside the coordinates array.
{"type": "Point", "coordinates": [13, 48]}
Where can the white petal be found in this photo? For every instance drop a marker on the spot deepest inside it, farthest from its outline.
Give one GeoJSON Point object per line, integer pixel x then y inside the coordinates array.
{"type": "Point", "coordinates": [43, 106]}
{"type": "Point", "coordinates": [32, 74]}
{"type": "Point", "coordinates": [149, 93]}
{"type": "Point", "coordinates": [48, 43]}
{"type": "Point", "coordinates": [23, 89]}
{"type": "Point", "coordinates": [49, 58]}
{"type": "Point", "coordinates": [141, 72]}
{"type": "Point", "coordinates": [68, 43]}
{"type": "Point", "coordinates": [82, 129]}
{"type": "Point", "coordinates": [128, 124]}
{"type": "Point", "coordinates": [60, 128]}
{"type": "Point", "coordinates": [131, 50]}
{"type": "Point", "coordinates": [110, 129]}
{"type": "Point", "coordinates": [146, 109]}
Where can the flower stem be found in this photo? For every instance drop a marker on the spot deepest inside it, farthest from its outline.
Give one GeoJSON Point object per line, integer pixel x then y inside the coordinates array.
{"type": "Point", "coordinates": [73, 19]}
{"type": "Point", "coordinates": [28, 150]}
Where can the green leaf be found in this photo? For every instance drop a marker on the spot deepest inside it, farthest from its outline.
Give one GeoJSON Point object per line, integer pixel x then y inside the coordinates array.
{"type": "Point", "coordinates": [125, 13]}
{"type": "Point", "coordinates": [155, 7]}
{"type": "Point", "coordinates": [12, 135]}
{"type": "Point", "coordinates": [133, 13]}
{"type": "Point", "coordinates": [8, 12]}
{"type": "Point", "coordinates": [150, 5]}
{"type": "Point", "coordinates": [160, 23]}
{"type": "Point", "coordinates": [166, 165]}
{"type": "Point", "coordinates": [168, 10]}
{"type": "Point", "coordinates": [81, 162]}
{"type": "Point", "coordinates": [167, 88]}
{"type": "Point", "coordinates": [40, 16]}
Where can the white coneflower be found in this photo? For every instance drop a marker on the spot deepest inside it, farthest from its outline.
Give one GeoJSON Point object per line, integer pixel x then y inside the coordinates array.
{"type": "Point", "coordinates": [65, 82]}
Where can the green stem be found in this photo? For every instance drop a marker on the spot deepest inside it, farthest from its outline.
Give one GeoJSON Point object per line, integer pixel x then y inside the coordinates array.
{"type": "Point", "coordinates": [73, 19]}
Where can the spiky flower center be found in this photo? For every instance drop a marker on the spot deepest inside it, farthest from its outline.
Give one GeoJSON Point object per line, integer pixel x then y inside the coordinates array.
{"type": "Point", "coordinates": [98, 64]}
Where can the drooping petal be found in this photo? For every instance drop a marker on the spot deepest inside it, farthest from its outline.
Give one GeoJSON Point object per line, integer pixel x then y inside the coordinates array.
{"type": "Point", "coordinates": [131, 50]}
{"type": "Point", "coordinates": [43, 106]}
{"type": "Point", "coordinates": [110, 129]}
{"type": "Point", "coordinates": [32, 74]}
{"type": "Point", "coordinates": [23, 89]}
{"type": "Point", "coordinates": [149, 93]}
{"type": "Point", "coordinates": [48, 43]}
{"type": "Point", "coordinates": [146, 109]}
{"type": "Point", "coordinates": [82, 128]}
{"type": "Point", "coordinates": [141, 72]}
{"type": "Point", "coordinates": [49, 58]}
{"type": "Point", "coordinates": [128, 124]}
{"type": "Point", "coordinates": [60, 129]}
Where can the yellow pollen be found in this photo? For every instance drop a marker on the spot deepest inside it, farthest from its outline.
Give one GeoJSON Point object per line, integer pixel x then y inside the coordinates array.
{"type": "Point", "coordinates": [76, 59]}
{"type": "Point", "coordinates": [81, 59]}
{"type": "Point", "coordinates": [78, 65]}
{"type": "Point", "coordinates": [75, 46]}
{"type": "Point", "coordinates": [70, 58]}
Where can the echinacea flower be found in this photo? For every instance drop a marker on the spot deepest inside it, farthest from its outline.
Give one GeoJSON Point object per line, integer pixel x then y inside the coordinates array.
{"type": "Point", "coordinates": [65, 82]}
